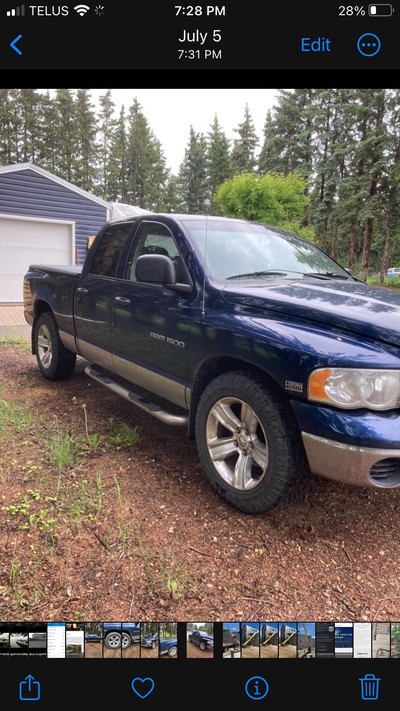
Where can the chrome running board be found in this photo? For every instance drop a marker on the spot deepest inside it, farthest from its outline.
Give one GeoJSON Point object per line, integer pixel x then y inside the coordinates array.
{"type": "Point", "coordinates": [150, 407]}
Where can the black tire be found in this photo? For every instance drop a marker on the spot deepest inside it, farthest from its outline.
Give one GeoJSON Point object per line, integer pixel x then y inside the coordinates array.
{"type": "Point", "coordinates": [248, 442]}
{"type": "Point", "coordinates": [172, 651]}
{"type": "Point", "coordinates": [112, 640]}
{"type": "Point", "coordinates": [203, 646]}
{"type": "Point", "coordinates": [54, 360]}
{"type": "Point", "coordinates": [126, 640]}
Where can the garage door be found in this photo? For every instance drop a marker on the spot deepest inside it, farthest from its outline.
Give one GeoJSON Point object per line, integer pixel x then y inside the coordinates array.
{"type": "Point", "coordinates": [25, 241]}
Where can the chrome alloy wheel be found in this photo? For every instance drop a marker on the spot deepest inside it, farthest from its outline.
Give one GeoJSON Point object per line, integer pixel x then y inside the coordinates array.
{"type": "Point", "coordinates": [236, 443]}
{"type": "Point", "coordinates": [113, 640]}
{"type": "Point", "coordinates": [44, 345]}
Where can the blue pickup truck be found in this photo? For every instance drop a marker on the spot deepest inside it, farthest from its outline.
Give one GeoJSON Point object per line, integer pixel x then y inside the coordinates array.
{"type": "Point", "coordinates": [271, 355]}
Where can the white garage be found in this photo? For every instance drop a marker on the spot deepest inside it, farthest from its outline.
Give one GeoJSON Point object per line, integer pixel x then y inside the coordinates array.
{"type": "Point", "coordinates": [27, 240]}
{"type": "Point", "coordinates": [43, 219]}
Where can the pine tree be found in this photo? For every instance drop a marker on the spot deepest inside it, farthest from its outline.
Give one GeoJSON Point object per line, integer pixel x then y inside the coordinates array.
{"type": "Point", "coordinates": [192, 178]}
{"type": "Point", "coordinates": [117, 165]}
{"type": "Point", "coordinates": [107, 126]}
{"type": "Point", "coordinates": [243, 151]}
{"type": "Point", "coordinates": [9, 123]}
{"type": "Point", "coordinates": [287, 143]}
{"type": "Point", "coordinates": [219, 167]}
{"type": "Point", "coordinates": [146, 171]}
{"type": "Point", "coordinates": [86, 153]}
{"type": "Point", "coordinates": [65, 157]}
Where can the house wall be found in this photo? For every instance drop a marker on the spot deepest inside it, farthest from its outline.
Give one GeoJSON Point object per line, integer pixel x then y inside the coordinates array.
{"type": "Point", "coordinates": [27, 193]}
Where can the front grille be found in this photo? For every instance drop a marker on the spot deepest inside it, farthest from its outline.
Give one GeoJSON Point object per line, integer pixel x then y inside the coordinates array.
{"type": "Point", "coordinates": [386, 472]}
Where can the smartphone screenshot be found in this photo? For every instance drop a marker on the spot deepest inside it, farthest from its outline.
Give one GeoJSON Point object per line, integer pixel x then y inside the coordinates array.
{"type": "Point", "coordinates": [199, 349]}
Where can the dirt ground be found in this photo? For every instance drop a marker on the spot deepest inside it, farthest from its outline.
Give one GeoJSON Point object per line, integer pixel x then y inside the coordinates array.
{"type": "Point", "coordinates": [269, 651]}
{"type": "Point", "coordinates": [194, 652]}
{"type": "Point", "coordinates": [289, 651]}
{"type": "Point", "coordinates": [134, 531]}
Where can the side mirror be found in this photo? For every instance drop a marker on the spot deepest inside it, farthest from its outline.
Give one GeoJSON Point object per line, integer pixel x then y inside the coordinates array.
{"type": "Point", "coordinates": [155, 268]}
{"type": "Point", "coordinates": [158, 269]}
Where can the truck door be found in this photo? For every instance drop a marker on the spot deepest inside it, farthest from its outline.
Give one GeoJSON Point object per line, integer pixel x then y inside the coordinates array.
{"type": "Point", "coordinates": [95, 294]}
{"type": "Point", "coordinates": [151, 324]}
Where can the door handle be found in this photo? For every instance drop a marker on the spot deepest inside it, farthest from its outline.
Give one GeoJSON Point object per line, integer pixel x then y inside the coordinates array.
{"type": "Point", "coordinates": [82, 290]}
{"type": "Point", "coordinates": [122, 300]}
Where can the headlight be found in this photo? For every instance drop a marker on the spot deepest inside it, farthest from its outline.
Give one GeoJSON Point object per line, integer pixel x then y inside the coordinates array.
{"type": "Point", "coordinates": [355, 387]}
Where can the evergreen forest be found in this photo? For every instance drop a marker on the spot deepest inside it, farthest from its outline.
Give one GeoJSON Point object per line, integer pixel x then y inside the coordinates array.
{"type": "Point", "coordinates": [327, 165]}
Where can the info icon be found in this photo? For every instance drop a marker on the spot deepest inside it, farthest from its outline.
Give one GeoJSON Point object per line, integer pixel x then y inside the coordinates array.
{"type": "Point", "coordinates": [256, 688]}
{"type": "Point", "coordinates": [368, 44]}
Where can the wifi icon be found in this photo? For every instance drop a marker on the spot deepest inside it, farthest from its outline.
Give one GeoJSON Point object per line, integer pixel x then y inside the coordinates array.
{"type": "Point", "coordinates": [81, 9]}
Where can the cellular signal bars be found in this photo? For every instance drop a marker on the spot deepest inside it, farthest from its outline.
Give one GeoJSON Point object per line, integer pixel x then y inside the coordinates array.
{"type": "Point", "coordinates": [16, 11]}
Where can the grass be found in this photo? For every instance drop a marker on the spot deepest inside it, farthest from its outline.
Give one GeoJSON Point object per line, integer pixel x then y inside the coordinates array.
{"type": "Point", "coordinates": [62, 489]}
{"type": "Point", "coordinates": [14, 339]}
{"type": "Point", "coordinates": [15, 416]}
{"type": "Point", "coordinates": [393, 282]}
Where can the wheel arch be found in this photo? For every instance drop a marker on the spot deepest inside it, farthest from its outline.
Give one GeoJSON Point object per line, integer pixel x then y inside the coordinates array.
{"type": "Point", "coordinates": [211, 368]}
{"type": "Point", "coordinates": [41, 307]}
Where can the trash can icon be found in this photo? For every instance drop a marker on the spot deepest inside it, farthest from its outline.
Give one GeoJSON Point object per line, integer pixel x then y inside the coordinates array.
{"type": "Point", "coordinates": [369, 687]}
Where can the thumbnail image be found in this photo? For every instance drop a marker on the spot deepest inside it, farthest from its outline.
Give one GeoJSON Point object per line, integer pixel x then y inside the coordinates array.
{"type": "Point", "coordinates": [93, 640]}
{"type": "Point", "coordinates": [130, 640]}
{"type": "Point", "coordinates": [56, 640]}
{"type": "Point", "coordinates": [112, 636]}
{"type": "Point", "coordinates": [306, 640]}
{"type": "Point", "coordinates": [19, 639]}
{"type": "Point", "coordinates": [231, 640]}
{"type": "Point", "coordinates": [395, 639]}
{"type": "Point", "coordinates": [362, 633]}
{"type": "Point", "coordinates": [37, 639]}
{"type": "Point", "coordinates": [4, 638]}
{"type": "Point", "coordinates": [325, 640]}
{"type": "Point", "coordinates": [149, 640]}
{"type": "Point", "coordinates": [269, 639]}
{"type": "Point", "coordinates": [287, 640]}
{"type": "Point", "coordinates": [343, 640]}
{"type": "Point", "coordinates": [380, 639]}
{"type": "Point", "coordinates": [74, 640]}
{"type": "Point", "coordinates": [200, 640]}
{"type": "Point", "coordinates": [250, 640]}
{"type": "Point", "coordinates": [168, 640]}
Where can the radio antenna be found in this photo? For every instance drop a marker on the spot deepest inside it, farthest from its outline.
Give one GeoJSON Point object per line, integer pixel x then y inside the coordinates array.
{"type": "Point", "coordinates": [203, 303]}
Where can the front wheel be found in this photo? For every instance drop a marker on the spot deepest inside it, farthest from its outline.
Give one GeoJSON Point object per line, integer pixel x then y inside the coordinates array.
{"type": "Point", "coordinates": [54, 360]}
{"type": "Point", "coordinates": [113, 640]}
{"type": "Point", "coordinates": [126, 640]}
{"type": "Point", "coordinates": [248, 442]}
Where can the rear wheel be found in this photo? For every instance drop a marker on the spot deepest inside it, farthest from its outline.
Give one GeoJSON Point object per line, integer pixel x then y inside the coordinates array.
{"type": "Point", "coordinates": [54, 360]}
{"type": "Point", "coordinates": [248, 442]}
{"type": "Point", "coordinates": [126, 640]}
{"type": "Point", "coordinates": [113, 640]}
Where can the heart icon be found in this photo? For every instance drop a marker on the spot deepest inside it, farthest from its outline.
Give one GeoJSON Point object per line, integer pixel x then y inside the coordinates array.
{"type": "Point", "coordinates": [142, 687]}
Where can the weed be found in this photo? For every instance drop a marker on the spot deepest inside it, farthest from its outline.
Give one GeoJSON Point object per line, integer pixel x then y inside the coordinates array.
{"type": "Point", "coordinates": [123, 435]}
{"type": "Point", "coordinates": [15, 583]}
{"type": "Point", "coordinates": [118, 493]}
{"type": "Point", "coordinates": [84, 499]}
{"type": "Point", "coordinates": [15, 416]}
{"type": "Point", "coordinates": [62, 450]}
{"type": "Point", "coordinates": [14, 339]}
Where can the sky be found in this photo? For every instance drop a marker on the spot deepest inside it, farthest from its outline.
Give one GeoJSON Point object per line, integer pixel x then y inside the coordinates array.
{"type": "Point", "coordinates": [171, 112]}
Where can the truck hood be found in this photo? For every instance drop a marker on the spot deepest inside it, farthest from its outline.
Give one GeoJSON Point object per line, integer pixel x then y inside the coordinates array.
{"type": "Point", "coordinates": [371, 311]}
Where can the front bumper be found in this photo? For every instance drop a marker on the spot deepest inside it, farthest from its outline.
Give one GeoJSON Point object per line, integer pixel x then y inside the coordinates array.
{"type": "Point", "coordinates": [352, 464]}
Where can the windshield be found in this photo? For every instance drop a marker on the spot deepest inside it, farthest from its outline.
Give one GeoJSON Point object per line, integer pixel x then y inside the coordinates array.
{"type": "Point", "coordinates": [243, 250]}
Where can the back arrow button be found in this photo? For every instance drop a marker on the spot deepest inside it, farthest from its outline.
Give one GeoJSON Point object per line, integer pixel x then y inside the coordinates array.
{"type": "Point", "coordinates": [14, 42]}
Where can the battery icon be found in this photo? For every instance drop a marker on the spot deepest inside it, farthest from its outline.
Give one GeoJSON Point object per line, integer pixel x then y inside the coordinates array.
{"type": "Point", "coordinates": [380, 10]}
